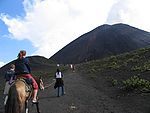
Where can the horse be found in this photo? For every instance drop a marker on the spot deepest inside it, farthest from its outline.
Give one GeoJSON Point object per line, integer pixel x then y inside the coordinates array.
{"type": "Point", "coordinates": [19, 97]}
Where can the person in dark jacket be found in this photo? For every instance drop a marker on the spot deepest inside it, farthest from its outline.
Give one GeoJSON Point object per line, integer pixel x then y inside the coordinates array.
{"type": "Point", "coordinates": [9, 77]}
{"type": "Point", "coordinates": [23, 70]}
{"type": "Point", "coordinates": [59, 83]}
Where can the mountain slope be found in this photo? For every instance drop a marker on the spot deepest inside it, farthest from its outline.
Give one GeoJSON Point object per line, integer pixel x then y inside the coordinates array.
{"type": "Point", "coordinates": [121, 66]}
{"type": "Point", "coordinates": [37, 63]}
{"type": "Point", "coordinates": [123, 78]}
{"type": "Point", "coordinates": [104, 41]}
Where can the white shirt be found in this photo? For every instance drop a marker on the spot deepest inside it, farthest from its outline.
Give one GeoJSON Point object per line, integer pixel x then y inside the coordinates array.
{"type": "Point", "coordinates": [58, 75]}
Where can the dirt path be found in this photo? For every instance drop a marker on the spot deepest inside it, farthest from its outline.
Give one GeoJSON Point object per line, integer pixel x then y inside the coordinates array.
{"type": "Point", "coordinates": [85, 96]}
{"type": "Point", "coordinates": [81, 97]}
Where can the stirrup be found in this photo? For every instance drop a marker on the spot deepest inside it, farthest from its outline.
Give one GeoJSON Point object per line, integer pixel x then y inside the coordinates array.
{"type": "Point", "coordinates": [34, 102]}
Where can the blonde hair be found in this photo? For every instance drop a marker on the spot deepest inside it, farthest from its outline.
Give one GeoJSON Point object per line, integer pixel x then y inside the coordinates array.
{"type": "Point", "coordinates": [12, 66]}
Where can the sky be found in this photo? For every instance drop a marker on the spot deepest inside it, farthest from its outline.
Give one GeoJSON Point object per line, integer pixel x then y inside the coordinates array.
{"type": "Point", "coordinates": [43, 27]}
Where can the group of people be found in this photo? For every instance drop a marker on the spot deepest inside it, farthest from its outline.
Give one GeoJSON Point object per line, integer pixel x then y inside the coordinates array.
{"type": "Point", "coordinates": [20, 69]}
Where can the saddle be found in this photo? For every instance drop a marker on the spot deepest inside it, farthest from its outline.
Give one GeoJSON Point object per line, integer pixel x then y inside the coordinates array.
{"type": "Point", "coordinates": [28, 84]}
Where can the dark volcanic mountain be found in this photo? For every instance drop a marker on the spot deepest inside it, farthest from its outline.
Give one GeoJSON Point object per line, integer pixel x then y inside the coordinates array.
{"type": "Point", "coordinates": [103, 41]}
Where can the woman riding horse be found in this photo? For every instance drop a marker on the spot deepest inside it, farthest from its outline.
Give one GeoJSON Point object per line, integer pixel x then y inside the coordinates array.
{"type": "Point", "coordinates": [19, 94]}
{"type": "Point", "coordinates": [23, 70]}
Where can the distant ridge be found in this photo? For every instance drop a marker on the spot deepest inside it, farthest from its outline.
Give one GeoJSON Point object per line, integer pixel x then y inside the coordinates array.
{"type": "Point", "coordinates": [103, 41]}
{"type": "Point", "coordinates": [36, 63]}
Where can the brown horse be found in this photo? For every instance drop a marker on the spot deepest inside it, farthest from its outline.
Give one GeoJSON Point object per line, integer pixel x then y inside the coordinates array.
{"type": "Point", "coordinates": [19, 96]}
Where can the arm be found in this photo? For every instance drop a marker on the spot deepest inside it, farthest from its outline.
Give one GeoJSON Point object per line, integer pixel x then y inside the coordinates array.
{"type": "Point", "coordinates": [11, 80]}
{"type": "Point", "coordinates": [27, 65]}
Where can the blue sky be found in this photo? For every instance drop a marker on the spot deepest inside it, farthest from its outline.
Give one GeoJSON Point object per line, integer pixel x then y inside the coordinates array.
{"type": "Point", "coordinates": [9, 48]}
{"type": "Point", "coordinates": [42, 27]}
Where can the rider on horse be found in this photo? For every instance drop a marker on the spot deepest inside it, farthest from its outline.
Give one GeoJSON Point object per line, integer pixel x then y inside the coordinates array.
{"type": "Point", "coordinates": [23, 70]}
{"type": "Point", "coordinates": [9, 77]}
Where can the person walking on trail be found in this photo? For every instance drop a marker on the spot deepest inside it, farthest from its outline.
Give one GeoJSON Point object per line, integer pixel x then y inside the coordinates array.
{"type": "Point", "coordinates": [9, 77]}
{"type": "Point", "coordinates": [23, 70]}
{"type": "Point", "coordinates": [72, 66]}
{"type": "Point", "coordinates": [59, 83]}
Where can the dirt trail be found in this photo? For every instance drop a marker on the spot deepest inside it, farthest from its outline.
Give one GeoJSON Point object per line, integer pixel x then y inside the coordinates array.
{"type": "Point", "coordinates": [81, 97]}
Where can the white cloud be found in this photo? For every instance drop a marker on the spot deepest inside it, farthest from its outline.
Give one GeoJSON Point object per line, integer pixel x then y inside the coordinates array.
{"type": "Point", "coordinates": [51, 24]}
{"type": "Point", "coordinates": [2, 64]}
{"type": "Point", "coordinates": [132, 12]}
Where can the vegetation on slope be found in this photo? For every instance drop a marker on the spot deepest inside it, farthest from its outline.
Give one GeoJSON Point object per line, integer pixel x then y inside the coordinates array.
{"type": "Point", "coordinates": [130, 70]}
{"type": "Point", "coordinates": [133, 61]}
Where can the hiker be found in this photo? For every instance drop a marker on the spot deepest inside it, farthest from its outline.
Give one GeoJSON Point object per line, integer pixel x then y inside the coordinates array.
{"type": "Point", "coordinates": [59, 84]}
{"type": "Point", "coordinates": [23, 70]}
{"type": "Point", "coordinates": [58, 65]}
{"type": "Point", "coordinates": [72, 66]}
{"type": "Point", "coordinates": [9, 77]}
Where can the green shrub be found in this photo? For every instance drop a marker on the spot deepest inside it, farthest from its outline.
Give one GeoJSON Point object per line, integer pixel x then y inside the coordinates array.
{"type": "Point", "coordinates": [142, 67]}
{"type": "Point", "coordinates": [136, 83]}
{"type": "Point", "coordinates": [114, 82]}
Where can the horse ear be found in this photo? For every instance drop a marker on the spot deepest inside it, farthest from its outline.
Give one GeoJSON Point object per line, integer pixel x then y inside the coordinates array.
{"type": "Point", "coordinates": [40, 77]}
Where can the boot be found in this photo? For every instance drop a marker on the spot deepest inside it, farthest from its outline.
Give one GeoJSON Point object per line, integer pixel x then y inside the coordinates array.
{"type": "Point", "coordinates": [34, 100]}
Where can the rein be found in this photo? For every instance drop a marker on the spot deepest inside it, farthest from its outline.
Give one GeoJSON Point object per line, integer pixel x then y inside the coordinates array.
{"type": "Point", "coordinates": [49, 84]}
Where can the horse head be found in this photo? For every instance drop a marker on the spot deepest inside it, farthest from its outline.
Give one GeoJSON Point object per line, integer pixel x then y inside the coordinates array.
{"type": "Point", "coordinates": [41, 84]}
